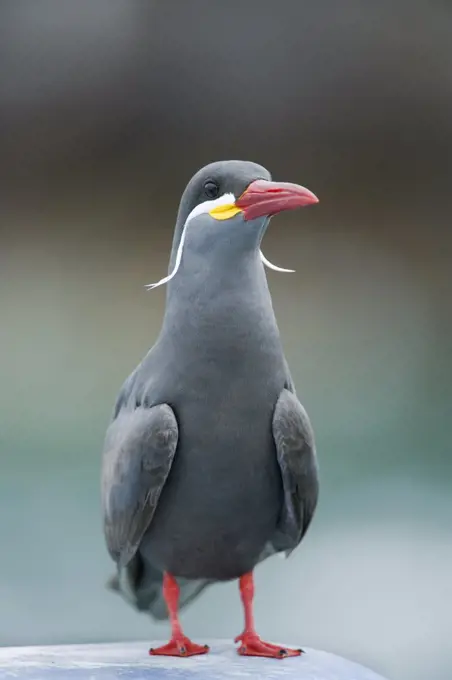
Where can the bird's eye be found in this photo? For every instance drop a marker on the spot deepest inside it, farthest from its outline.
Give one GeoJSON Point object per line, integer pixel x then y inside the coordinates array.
{"type": "Point", "coordinates": [211, 189]}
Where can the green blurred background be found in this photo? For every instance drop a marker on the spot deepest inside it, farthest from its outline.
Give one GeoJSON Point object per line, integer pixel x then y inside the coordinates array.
{"type": "Point", "coordinates": [107, 109]}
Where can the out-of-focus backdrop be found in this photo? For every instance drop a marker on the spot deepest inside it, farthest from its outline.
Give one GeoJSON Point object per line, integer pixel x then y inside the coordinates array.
{"type": "Point", "coordinates": [107, 109]}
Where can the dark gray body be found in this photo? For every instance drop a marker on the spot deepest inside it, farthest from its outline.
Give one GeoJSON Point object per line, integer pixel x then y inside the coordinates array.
{"type": "Point", "coordinates": [207, 523]}
{"type": "Point", "coordinates": [239, 478]}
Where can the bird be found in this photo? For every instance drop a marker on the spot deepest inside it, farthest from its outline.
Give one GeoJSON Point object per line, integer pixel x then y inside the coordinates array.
{"type": "Point", "coordinates": [209, 464]}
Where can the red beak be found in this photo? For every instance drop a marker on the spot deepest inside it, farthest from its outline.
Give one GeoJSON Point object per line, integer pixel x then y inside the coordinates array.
{"type": "Point", "coordinates": [268, 198]}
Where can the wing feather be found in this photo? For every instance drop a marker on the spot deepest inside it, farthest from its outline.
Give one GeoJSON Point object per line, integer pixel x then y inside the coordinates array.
{"type": "Point", "coordinates": [138, 454]}
{"type": "Point", "coordinates": [295, 449]}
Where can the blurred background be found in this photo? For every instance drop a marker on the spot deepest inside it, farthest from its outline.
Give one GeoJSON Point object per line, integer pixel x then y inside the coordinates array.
{"type": "Point", "coordinates": [107, 109]}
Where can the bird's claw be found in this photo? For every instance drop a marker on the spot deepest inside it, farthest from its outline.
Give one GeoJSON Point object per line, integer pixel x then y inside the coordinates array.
{"type": "Point", "coordinates": [179, 646]}
{"type": "Point", "coordinates": [252, 645]}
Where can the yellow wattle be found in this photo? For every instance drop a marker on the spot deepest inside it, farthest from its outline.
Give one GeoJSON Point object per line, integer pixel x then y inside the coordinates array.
{"type": "Point", "coordinates": [224, 212]}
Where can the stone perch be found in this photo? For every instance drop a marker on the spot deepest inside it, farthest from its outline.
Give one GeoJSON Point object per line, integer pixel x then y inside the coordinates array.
{"type": "Point", "coordinates": [130, 660]}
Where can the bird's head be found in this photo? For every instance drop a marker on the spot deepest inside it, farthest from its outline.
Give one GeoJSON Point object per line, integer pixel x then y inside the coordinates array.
{"type": "Point", "coordinates": [230, 202]}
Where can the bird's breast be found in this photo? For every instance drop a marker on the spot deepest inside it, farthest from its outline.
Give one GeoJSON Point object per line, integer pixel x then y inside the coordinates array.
{"type": "Point", "coordinates": [222, 500]}
{"type": "Point", "coordinates": [220, 366]}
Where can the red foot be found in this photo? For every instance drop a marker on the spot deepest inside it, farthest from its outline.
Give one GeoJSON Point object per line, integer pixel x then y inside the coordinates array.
{"type": "Point", "coordinates": [179, 646]}
{"type": "Point", "coordinates": [252, 645]}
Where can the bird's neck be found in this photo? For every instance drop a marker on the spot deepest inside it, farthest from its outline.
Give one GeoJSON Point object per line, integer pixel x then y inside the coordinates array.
{"type": "Point", "coordinates": [214, 297]}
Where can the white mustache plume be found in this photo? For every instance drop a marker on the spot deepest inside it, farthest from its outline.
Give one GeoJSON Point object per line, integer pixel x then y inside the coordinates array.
{"type": "Point", "coordinates": [204, 207]}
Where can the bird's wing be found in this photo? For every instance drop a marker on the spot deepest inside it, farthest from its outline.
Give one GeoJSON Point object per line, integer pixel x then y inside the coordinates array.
{"type": "Point", "coordinates": [140, 584]}
{"type": "Point", "coordinates": [138, 453]}
{"type": "Point", "coordinates": [295, 450]}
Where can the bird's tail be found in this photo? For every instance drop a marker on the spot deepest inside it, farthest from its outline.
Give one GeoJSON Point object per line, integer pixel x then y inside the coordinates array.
{"type": "Point", "coordinates": [141, 586]}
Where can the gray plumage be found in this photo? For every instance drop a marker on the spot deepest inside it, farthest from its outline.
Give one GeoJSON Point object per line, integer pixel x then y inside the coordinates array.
{"type": "Point", "coordinates": [209, 463]}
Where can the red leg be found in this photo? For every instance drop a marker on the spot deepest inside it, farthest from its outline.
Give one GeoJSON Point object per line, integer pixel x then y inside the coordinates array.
{"type": "Point", "coordinates": [251, 644]}
{"type": "Point", "coordinates": [179, 645]}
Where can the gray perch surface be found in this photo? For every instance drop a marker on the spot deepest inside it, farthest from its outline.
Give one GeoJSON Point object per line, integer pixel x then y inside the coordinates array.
{"type": "Point", "coordinates": [131, 660]}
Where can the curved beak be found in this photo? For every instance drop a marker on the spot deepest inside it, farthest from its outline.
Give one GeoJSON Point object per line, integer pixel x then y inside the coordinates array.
{"type": "Point", "coordinates": [269, 198]}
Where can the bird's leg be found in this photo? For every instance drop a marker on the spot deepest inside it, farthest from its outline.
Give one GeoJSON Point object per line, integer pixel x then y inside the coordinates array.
{"type": "Point", "coordinates": [250, 642]}
{"type": "Point", "coordinates": [179, 645]}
